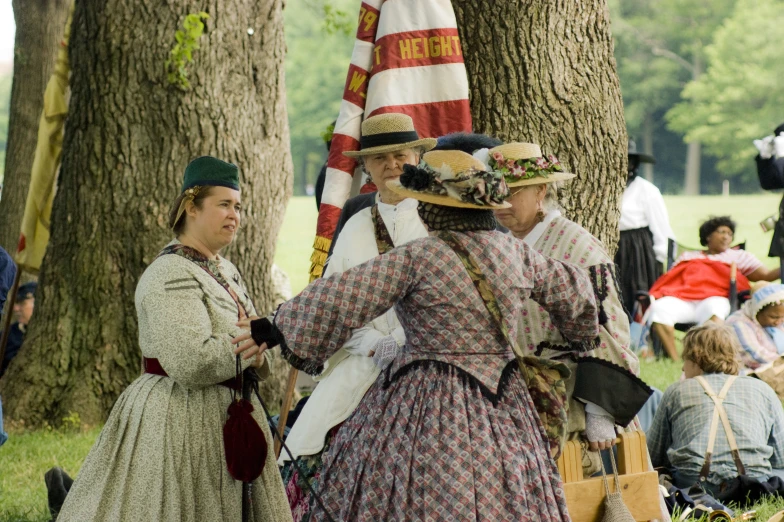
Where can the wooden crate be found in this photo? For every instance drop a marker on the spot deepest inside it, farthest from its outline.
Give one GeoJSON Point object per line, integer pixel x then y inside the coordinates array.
{"type": "Point", "coordinates": [639, 484]}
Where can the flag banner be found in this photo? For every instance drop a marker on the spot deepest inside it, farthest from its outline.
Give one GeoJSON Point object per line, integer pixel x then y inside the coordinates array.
{"type": "Point", "coordinates": [38, 208]}
{"type": "Point", "coordinates": [407, 59]}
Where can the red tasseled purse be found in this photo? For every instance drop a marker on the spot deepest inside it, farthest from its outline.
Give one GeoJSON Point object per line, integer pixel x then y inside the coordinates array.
{"type": "Point", "coordinates": [243, 441]}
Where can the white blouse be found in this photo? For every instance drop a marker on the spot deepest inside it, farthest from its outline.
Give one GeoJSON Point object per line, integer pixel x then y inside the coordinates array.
{"type": "Point", "coordinates": [350, 372]}
{"type": "Point", "coordinates": [643, 206]}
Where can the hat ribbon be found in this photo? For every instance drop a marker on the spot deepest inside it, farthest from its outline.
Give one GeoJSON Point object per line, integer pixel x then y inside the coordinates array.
{"type": "Point", "coordinates": [388, 138]}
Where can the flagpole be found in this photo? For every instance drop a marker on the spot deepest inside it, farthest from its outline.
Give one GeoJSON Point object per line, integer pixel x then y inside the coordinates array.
{"type": "Point", "coordinates": [288, 398]}
{"type": "Point", "coordinates": [10, 313]}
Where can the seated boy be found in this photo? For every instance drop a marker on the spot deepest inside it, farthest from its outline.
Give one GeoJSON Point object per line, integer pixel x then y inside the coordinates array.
{"type": "Point", "coordinates": [678, 438]}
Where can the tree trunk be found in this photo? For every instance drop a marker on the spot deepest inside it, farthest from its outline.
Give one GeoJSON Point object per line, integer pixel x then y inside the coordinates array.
{"type": "Point", "coordinates": [39, 30]}
{"type": "Point", "coordinates": [691, 184]}
{"type": "Point", "coordinates": [647, 146]}
{"type": "Point", "coordinates": [544, 72]}
{"type": "Point", "coordinates": [128, 138]}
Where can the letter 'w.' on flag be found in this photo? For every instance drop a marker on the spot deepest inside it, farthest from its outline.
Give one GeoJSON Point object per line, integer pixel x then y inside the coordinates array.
{"type": "Point", "coordinates": [46, 163]}
{"type": "Point", "coordinates": [407, 59]}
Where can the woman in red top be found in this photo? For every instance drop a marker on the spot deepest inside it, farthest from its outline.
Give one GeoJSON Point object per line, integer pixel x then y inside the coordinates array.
{"type": "Point", "coordinates": [696, 288]}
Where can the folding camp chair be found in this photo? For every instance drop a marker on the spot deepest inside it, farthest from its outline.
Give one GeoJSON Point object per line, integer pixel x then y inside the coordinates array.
{"type": "Point", "coordinates": [644, 299]}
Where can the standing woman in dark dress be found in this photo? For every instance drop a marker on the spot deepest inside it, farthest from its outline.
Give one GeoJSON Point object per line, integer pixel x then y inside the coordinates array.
{"type": "Point", "coordinates": [645, 230]}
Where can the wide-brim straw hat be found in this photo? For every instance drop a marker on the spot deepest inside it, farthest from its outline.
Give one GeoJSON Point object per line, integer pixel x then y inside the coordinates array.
{"type": "Point", "coordinates": [528, 151]}
{"type": "Point", "coordinates": [387, 133]}
{"type": "Point", "coordinates": [455, 161]}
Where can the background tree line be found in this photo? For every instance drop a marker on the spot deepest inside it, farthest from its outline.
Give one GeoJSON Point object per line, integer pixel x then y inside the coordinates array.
{"type": "Point", "coordinates": [691, 72]}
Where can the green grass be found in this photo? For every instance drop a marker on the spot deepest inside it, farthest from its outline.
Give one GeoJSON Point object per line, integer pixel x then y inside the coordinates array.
{"type": "Point", "coordinates": [27, 455]}
{"type": "Point", "coordinates": [661, 373]}
{"type": "Point", "coordinates": [295, 241]}
{"type": "Point", "coordinates": [23, 461]}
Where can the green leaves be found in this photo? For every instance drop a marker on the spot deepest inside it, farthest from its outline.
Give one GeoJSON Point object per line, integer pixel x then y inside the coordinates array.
{"type": "Point", "coordinates": [338, 21]}
{"type": "Point", "coordinates": [739, 98]}
{"type": "Point", "coordinates": [316, 66]}
{"type": "Point", "coordinates": [182, 53]}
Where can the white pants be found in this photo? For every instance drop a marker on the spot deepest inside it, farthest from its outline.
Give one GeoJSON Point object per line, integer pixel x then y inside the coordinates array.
{"type": "Point", "coordinates": [671, 310]}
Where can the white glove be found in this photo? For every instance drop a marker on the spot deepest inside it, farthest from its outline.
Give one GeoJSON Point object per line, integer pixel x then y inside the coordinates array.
{"type": "Point", "coordinates": [599, 428]}
{"type": "Point", "coordinates": [765, 147]}
{"type": "Point", "coordinates": [385, 351]}
{"type": "Point", "coordinates": [778, 145]}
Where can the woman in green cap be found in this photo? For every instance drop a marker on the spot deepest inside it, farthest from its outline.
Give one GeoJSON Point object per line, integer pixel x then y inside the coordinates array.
{"type": "Point", "coordinates": [160, 456]}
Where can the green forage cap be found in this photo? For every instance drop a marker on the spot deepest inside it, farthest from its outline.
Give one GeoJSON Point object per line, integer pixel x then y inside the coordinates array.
{"type": "Point", "coordinates": [209, 171]}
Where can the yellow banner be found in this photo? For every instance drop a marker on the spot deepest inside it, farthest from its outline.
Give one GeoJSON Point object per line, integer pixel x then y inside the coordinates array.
{"type": "Point", "coordinates": [46, 164]}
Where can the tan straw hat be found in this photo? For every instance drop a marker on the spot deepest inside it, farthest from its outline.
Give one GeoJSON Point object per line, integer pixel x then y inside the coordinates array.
{"type": "Point", "coordinates": [453, 177]}
{"type": "Point", "coordinates": [387, 133]}
{"type": "Point", "coordinates": [523, 164]}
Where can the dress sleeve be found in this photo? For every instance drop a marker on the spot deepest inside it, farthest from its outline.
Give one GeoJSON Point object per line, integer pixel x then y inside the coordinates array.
{"type": "Point", "coordinates": [564, 291]}
{"type": "Point", "coordinates": [658, 222]}
{"type": "Point", "coordinates": [747, 262]}
{"type": "Point", "coordinates": [316, 323]}
{"type": "Point", "coordinates": [614, 387]}
{"type": "Point", "coordinates": [183, 341]}
{"type": "Point", "coordinates": [614, 336]}
{"type": "Point", "coordinates": [365, 338]}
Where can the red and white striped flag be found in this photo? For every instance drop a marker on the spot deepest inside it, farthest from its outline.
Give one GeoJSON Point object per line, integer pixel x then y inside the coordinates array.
{"type": "Point", "coordinates": [407, 59]}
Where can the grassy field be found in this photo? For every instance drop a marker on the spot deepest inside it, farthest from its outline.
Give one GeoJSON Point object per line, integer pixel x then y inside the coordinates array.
{"type": "Point", "coordinates": [686, 213]}
{"type": "Point", "coordinates": [27, 455]}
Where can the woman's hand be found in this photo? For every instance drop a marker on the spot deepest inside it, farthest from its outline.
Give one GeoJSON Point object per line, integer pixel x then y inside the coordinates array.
{"type": "Point", "coordinates": [245, 323]}
{"type": "Point", "coordinates": [248, 347]}
{"type": "Point", "coordinates": [600, 431]}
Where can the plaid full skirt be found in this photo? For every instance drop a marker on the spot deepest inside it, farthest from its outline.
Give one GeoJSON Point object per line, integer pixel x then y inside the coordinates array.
{"type": "Point", "coordinates": [433, 444]}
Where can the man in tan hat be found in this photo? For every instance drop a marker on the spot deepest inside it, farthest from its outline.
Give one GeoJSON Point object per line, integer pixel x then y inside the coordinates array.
{"type": "Point", "coordinates": [378, 221]}
{"type": "Point", "coordinates": [388, 142]}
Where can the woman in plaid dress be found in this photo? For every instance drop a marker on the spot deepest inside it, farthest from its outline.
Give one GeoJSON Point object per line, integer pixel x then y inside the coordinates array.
{"type": "Point", "coordinates": [449, 430]}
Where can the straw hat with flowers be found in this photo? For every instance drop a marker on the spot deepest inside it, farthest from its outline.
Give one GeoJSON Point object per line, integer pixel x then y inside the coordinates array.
{"type": "Point", "coordinates": [523, 164]}
{"type": "Point", "coordinates": [387, 133]}
{"type": "Point", "coordinates": [452, 178]}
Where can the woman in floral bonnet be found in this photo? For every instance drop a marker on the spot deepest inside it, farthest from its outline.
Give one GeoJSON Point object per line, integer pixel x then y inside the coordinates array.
{"type": "Point", "coordinates": [604, 387]}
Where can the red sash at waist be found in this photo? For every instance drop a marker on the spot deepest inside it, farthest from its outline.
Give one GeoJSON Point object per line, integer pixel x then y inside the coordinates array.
{"type": "Point", "coordinates": [154, 367]}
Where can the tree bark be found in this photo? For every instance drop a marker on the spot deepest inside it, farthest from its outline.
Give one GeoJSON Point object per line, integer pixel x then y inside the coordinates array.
{"type": "Point", "coordinates": [39, 30]}
{"type": "Point", "coordinates": [544, 72]}
{"type": "Point", "coordinates": [128, 138]}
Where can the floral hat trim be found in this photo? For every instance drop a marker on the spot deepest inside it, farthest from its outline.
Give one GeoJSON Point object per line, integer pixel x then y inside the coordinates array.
{"type": "Point", "coordinates": [519, 169]}
{"type": "Point", "coordinates": [473, 186]}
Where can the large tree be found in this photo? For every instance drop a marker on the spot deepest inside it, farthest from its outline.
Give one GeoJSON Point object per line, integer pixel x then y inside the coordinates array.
{"type": "Point", "coordinates": [39, 30]}
{"type": "Point", "coordinates": [129, 135]}
{"type": "Point", "coordinates": [544, 72]}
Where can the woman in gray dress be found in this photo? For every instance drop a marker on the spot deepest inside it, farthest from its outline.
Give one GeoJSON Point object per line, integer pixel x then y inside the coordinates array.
{"type": "Point", "coordinates": [160, 456]}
